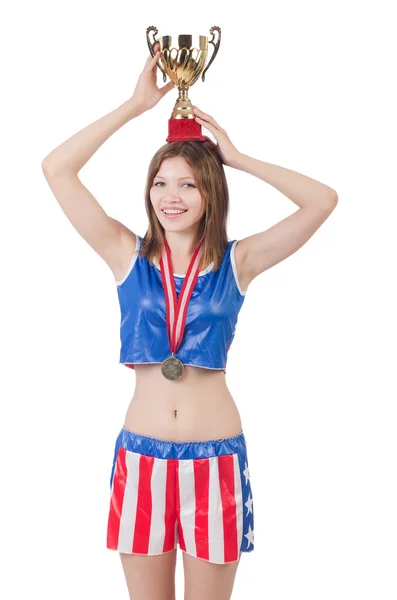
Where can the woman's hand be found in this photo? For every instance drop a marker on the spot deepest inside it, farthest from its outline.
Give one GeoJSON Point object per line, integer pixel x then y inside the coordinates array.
{"type": "Point", "coordinates": [146, 93]}
{"type": "Point", "coordinates": [228, 152]}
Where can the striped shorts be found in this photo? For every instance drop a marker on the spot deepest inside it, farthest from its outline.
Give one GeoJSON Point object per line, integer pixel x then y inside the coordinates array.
{"type": "Point", "coordinates": [195, 493]}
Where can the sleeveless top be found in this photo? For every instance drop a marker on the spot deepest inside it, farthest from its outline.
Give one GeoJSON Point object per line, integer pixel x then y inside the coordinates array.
{"type": "Point", "coordinates": [211, 316]}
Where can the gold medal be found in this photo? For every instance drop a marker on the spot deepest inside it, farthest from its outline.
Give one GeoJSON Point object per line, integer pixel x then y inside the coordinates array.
{"type": "Point", "coordinates": [172, 368]}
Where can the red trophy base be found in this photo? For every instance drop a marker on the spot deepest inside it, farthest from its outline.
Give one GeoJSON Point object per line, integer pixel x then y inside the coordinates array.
{"type": "Point", "coordinates": [182, 130]}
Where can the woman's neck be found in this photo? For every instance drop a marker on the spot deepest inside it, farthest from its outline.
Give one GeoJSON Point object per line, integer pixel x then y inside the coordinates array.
{"type": "Point", "coordinates": [182, 246]}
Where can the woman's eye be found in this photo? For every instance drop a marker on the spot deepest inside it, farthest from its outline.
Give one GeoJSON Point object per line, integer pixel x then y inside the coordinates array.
{"type": "Point", "coordinates": [183, 184]}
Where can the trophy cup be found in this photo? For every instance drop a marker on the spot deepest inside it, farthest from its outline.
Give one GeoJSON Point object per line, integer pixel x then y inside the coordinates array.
{"type": "Point", "coordinates": [183, 59]}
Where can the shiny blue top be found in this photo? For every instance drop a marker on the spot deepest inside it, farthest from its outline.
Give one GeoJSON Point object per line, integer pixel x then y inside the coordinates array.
{"type": "Point", "coordinates": [211, 316]}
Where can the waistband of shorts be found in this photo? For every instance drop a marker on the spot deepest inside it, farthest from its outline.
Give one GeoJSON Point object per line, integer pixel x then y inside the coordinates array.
{"type": "Point", "coordinates": [160, 448]}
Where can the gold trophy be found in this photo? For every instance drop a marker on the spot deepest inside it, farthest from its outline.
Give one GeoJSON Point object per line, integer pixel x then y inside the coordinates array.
{"type": "Point", "coordinates": [183, 59]}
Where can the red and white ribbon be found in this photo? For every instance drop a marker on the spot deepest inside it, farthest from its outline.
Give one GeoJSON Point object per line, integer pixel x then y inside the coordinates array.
{"type": "Point", "coordinates": [176, 309]}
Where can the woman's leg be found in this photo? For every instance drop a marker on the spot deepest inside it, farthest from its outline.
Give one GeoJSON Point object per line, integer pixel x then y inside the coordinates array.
{"type": "Point", "coordinates": [150, 577]}
{"type": "Point", "coordinates": [208, 580]}
{"type": "Point", "coordinates": [142, 517]}
{"type": "Point", "coordinates": [215, 515]}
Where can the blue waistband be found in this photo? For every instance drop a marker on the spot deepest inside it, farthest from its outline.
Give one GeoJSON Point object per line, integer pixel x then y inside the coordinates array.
{"type": "Point", "coordinates": [135, 442]}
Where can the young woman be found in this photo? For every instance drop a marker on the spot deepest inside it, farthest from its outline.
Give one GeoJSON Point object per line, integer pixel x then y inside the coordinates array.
{"type": "Point", "coordinates": [180, 468]}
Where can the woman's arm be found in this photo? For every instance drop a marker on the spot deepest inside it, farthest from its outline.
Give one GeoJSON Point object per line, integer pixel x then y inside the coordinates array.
{"type": "Point", "coordinates": [73, 154]}
{"type": "Point", "coordinates": [113, 241]}
{"type": "Point", "coordinates": [260, 251]}
{"type": "Point", "coordinates": [302, 190]}
{"type": "Point", "coordinates": [316, 201]}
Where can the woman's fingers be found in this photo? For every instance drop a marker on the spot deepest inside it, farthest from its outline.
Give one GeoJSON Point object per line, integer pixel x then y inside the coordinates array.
{"type": "Point", "coordinates": [155, 59]}
{"type": "Point", "coordinates": [208, 124]}
{"type": "Point", "coordinates": [203, 116]}
{"type": "Point", "coordinates": [156, 49]}
{"type": "Point", "coordinates": [151, 60]}
{"type": "Point", "coordinates": [200, 112]}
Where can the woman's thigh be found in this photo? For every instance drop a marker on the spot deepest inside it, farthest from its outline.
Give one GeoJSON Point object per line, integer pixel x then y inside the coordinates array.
{"type": "Point", "coordinates": [150, 577]}
{"type": "Point", "coordinates": [211, 581]}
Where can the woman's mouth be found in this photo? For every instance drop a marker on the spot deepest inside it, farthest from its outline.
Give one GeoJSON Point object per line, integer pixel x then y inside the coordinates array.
{"type": "Point", "coordinates": [172, 214]}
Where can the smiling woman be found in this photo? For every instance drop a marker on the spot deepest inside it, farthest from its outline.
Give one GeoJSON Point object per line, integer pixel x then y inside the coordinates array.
{"type": "Point", "coordinates": [172, 195]}
{"type": "Point", "coordinates": [192, 416]}
{"type": "Point", "coordinates": [180, 466]}
{"type": "Point", "coordinates": [186, 176]}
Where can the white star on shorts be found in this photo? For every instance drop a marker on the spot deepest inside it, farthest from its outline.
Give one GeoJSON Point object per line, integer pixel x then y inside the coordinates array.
{"type": "Point", "coordinates": [248, 504]}
{"type": "Point", "coordinates": [246, 473]}
{"type": "Point", "coordinates": [250, 536]}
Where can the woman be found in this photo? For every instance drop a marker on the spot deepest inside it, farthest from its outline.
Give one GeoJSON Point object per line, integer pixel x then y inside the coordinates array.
{"type": "Point", "coordinates": [180, 468]}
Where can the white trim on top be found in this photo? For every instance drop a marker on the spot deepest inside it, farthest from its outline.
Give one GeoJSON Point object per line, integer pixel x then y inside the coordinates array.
{"type": "Point", "coordinates": [132, 262]}
{"type": "Point", "coordinates": [204, 272]}
{"type": "Point", "coordinates": [233, 260]}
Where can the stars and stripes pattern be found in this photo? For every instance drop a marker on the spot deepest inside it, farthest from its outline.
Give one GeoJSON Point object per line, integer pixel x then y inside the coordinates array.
{"type": "Point", "coordinates": [205, 504]}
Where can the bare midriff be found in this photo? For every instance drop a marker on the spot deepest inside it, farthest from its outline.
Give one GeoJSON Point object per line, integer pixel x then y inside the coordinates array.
{"type": "Point", "coordinates": [196, 407]}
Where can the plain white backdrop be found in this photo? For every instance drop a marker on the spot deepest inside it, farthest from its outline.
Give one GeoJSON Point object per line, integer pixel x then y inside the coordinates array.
{"type": "Point", "coordinates": [305, 85]}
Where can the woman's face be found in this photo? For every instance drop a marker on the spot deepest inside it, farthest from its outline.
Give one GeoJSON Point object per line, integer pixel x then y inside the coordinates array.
{"type": "Point", "coordinates": [175, 187]}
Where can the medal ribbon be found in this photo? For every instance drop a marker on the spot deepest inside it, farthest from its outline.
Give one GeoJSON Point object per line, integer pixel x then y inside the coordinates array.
{"type": "Point", "coordinates": [176, 309]}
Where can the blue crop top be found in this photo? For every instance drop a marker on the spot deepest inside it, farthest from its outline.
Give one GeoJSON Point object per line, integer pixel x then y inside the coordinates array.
{"type": "Point", "coordinates": [210, 322]}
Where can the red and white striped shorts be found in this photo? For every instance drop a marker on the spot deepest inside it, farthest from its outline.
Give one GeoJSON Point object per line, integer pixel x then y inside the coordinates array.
{"type": "Point", "coordinates": [195, 493]}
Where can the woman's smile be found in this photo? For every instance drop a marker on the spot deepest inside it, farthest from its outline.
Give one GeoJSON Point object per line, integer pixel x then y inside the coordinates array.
{"type": "Point", "coordinates": [173, 215]}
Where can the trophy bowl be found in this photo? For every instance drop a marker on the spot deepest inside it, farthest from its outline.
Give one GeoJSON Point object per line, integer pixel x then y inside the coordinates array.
{"type": "Point", "coordinates": [184, 59]}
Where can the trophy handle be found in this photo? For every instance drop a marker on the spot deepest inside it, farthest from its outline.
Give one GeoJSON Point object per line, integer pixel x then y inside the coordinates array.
{"type": "Point", "coordinates": [216, 47]}
{"type": "Point", "coordinates": [151, 46]}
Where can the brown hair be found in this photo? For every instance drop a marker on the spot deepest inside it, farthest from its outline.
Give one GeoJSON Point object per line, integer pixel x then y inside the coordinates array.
{"type": "Point", "coordinates": [207, 165]}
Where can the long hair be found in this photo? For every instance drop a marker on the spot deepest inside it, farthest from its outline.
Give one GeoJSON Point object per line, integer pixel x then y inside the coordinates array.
{"type": "Point", "coordinates": [207, 165]}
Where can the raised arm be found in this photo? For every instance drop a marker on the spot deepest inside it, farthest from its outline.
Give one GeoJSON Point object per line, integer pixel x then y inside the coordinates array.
{"type": "Point", "coordinates": [316, 201]}
{"type": "Point", "coordinates": [107, 236]}
{"type": "Point", "coordinates": [112, 240]}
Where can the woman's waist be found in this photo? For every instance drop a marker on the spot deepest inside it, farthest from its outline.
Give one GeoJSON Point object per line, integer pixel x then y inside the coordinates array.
{"type": "Point", "coordinates": [196, 408]}
{"type": "Point", "coordinates": [183, 425]}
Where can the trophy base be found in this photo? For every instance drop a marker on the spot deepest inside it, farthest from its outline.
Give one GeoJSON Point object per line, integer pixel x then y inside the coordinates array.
{"type": "Point", "coordinates": [182, 130]}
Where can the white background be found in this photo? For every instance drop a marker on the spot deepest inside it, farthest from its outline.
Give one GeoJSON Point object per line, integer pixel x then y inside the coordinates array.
{"type": "Point", "coordinates": [306, 85]}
